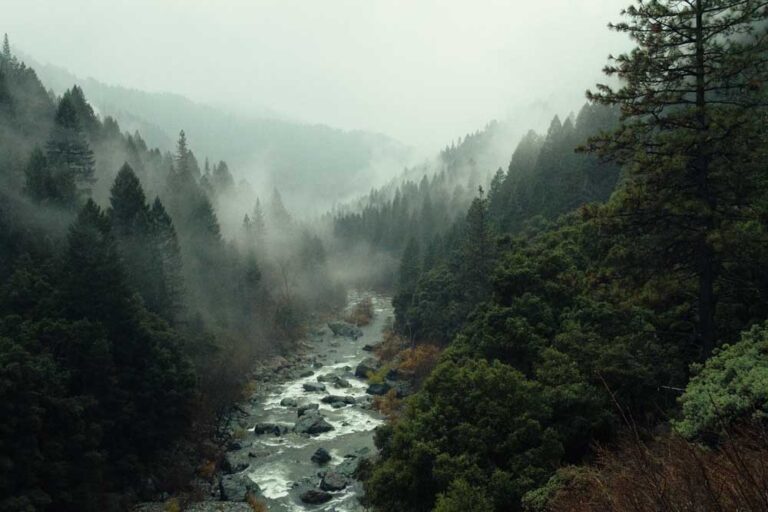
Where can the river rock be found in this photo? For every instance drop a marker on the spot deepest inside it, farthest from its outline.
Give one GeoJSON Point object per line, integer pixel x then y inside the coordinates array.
{"type": "Point", "coordinates": [237, 487]}
{"type": "Point", "coordinates": [269, 428]}
{"type": "Point", "coordinates": [378, 389]}
{"type": "Point", "coordinates": [366, 366]}
{"type": "Point", "coordinates": [234, 463]}
{"type": "Point", "coordinates": [311, 387]}
{"type": "Point", "coordinates": [321, 456]}
{"type": "Point", "coordinates": [337, 381]}
{"type": "Point", "coordinates": [312, 424]}
{"type": "Point", "coordinates": [345, 329]}
{"type": "Point", "coordinates": [403, 388]}
{"type": "Point", "coordinates": [289, 402]}
{"type": "Point", "coordinates": [301, 411]}
{"type": "Point", "coordinates": [333, 481]}
{"type": "Point", "coordinates": [306, 373]}
{"type": "Point", "coordinates": [329, 399]}
{"type": "Point", "coordinates": [315, 497]}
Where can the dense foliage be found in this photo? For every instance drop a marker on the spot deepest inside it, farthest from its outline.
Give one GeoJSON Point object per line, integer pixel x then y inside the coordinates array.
{"type": "Point", "coordinates": [127, 321]}
{"type": "Point", "coordinates": [563, 331]}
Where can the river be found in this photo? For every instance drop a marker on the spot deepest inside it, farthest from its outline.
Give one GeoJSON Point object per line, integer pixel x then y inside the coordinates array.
{"type": "Point", "coordinates": [281, 465]}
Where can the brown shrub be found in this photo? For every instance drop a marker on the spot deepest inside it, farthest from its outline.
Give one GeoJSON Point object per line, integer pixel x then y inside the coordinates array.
{"type": "Point", "coordinates": [671, 474]}
{"type": "Point", "coordinates": [418, 362]}
{"type": "Point", "coordinates": [389, 405]}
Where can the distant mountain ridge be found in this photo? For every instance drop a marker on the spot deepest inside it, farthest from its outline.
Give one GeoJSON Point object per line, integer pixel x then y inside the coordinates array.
{"type": "Point", "coordinates": [302, 160]}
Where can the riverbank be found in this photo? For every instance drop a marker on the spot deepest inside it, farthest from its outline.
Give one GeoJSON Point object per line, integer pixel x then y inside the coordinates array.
{"type": "Point", "coordinates": [295, 442]}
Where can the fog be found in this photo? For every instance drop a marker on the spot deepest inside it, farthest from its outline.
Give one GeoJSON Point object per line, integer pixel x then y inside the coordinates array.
{"type": "Point", "coordinates": [423, 72]}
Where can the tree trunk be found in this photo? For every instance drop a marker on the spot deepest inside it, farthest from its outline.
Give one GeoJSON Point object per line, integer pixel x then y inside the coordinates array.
{"type": "Point", "coordinates": [706, 264]}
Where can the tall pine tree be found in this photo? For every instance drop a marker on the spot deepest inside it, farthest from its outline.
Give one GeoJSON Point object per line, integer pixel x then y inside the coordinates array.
{"type": "Point", "coordinates": [691, 98]}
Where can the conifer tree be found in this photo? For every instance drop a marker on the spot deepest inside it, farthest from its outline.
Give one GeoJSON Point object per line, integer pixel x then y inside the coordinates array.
{"type": "Point", "coordinates": [68, 151]}
{"type": "Point", "coordinates": [691, 99]}
{"type": "Point", "coordinates": [169, 286]}
{"type": "Point", "coordinates": [477, 249]}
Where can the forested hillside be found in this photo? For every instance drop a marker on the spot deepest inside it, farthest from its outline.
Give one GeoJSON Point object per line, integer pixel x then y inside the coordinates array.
{"type": "Point", "coordinates": [600, 309]}
{"type": "Point", "coordinates": [544, 179]}
{"type": "Point", "coordinates": [127, 321]}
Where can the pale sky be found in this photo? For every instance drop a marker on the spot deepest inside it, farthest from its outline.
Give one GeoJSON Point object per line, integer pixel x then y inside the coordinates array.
{"type": "Point", "coordinates": [422, 71]}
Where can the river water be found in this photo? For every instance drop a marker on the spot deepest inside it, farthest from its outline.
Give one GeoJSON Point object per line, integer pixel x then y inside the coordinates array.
{"type": "Point", "coordinates": [281, 465]}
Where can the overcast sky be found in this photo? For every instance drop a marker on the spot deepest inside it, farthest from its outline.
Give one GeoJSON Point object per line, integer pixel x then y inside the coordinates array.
{"type": "Point", "coordinates": [423, 71]}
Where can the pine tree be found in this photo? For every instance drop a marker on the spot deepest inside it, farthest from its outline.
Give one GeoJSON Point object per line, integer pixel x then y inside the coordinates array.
{"type": "Point", "coordinates": [68, 151]}
{"type": "Point", "coordinates": [169, 286]}
{"type": "Point", "coordinates": [129, 211]}
{"type": "Point", "coordinates": [47, 184]}
{"type": "Point", "coordinates": [477, 249]}
{"type": "Point", "coordinates": [410, 270]}
{"type": "Point", "coordinates": [95, 286]}
{"type": "Point", "coordinates": [691, 98]}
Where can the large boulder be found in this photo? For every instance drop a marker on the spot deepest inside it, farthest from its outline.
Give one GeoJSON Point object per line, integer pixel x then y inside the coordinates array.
{"type": "Point", "coordinates": [315, 497]}
{"type": "Point", "coordinates": [312, 387]}
{"type": "Point", "coordinates": [330, 399]}
{"type": "Point", "coordinates": [269, 428]}
{"type": "Point", "coordinates": [366, 366]}
{"type": "Point", "coordinates": [237, 487]}
{"type": "Point", "coordinates": [321, 456]}
{"type": "Point", "coordinates": [378, 389]}
{"type": "Point", "coordinates": [312, 424]}
{"type": "Point", "coordinates": [345, 329]}
{"type": "Point", "coordinates": [333, 482]}
{"type": "Point", "coordinates": [289, 402]}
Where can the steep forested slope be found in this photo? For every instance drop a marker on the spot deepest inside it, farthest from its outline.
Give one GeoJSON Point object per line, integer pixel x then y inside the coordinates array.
{"type": "Point", "coordinates": [127, 321]}
{"type": "Point", "coordinates": [562, 331]}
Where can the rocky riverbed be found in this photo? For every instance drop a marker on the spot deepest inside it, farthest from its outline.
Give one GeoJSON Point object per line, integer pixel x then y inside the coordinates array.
{"type": "Point", "coordinates": [297, 441]}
